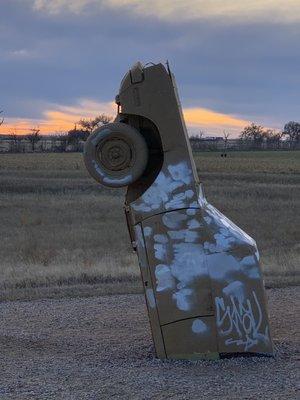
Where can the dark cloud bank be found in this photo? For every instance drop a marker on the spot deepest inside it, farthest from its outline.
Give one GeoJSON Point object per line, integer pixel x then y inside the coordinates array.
{"type": "Point", "coordinates": [247, 69]}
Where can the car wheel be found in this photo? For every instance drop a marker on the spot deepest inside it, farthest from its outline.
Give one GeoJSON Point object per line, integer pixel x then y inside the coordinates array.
{"type": "Point", "coordinates": [116, 154]}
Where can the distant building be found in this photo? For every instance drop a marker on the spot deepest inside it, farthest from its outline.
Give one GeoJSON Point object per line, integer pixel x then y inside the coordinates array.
{"type": "Point", "coordinates": [21, 144]}
{"type": "Point", "coordinates": [52, 143]}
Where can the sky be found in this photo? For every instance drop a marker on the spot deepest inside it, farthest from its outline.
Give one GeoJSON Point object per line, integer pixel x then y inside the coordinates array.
{"type": "Point", "coordinates": [235, 62]}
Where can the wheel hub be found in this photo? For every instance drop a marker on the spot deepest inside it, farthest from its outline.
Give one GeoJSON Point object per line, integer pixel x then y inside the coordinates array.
{"type": "Point", "coordinates": [115, 154]}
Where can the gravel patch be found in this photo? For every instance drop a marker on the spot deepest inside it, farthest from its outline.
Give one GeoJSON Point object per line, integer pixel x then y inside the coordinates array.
{"type": "Point", "coordinates": [101, 348]}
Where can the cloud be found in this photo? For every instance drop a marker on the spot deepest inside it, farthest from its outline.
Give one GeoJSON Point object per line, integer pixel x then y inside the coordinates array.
{"type": "Point", "coordinates": [20, 54]}
{"type": "Point", "coordinates": [246, 69]}
{"type": "Point", "coordinates": [58, 6]}
{"type": "Point", "coordinates": [213, 122]}
{"type": "Point", "coordinates": [86, 108]}
{"type": "Point", "coordinates": [171, 10]}
{"type": "Point", "coordinates": [57, 118]}
{"type": "Point", "coordinates": [281, 11]}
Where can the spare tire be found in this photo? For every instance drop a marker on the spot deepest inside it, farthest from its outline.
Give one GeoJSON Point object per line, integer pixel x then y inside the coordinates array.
{"type": "Point", "coordinates": [116, 154]}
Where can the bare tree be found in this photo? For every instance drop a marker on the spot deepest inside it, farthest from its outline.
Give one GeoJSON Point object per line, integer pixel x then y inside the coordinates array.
{"type": "Point", "coordinates": [75, 137]}
{"type": "Point", "coordinates": [89, 125]}
{"type": "Point", "coordinates": [16, 140]}
{"type": "Point", "coordinates": [253, 134]}
{"type": "Point", "coordinates": [273, 138]}
{"type": "Point", "coordinates": [2, 118]}
{"type": "Point", "coordinates": [34, 137]}
{"type": "Point", "coordinates": [63, 140]}
{"type": "Point", "coordinates": [226, 136]}
{"type": "Point", "coordinates": [292, 130]}
{"type": "Point", "coordinates": [201, 134]}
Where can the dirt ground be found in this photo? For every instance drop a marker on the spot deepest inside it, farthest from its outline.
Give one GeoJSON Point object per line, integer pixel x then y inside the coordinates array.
{"type": "Point", "coordinates": [100, 348]}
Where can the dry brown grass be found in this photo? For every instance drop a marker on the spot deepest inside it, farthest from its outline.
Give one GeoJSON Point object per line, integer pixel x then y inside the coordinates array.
{"type": "Point", "coordinates": [61, 233]}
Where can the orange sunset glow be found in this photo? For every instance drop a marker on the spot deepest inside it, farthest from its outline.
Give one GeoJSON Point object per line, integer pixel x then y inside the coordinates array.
{"type": "Point", "coordinates": [63, 118]}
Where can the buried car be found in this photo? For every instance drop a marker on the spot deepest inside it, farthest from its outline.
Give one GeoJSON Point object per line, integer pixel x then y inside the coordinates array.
{"type": "Point", "coordinates": [201, 274]}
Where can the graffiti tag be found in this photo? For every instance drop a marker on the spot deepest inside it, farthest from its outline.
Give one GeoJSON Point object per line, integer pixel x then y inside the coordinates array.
{"type": "Point", "coordinates": [237, 320]}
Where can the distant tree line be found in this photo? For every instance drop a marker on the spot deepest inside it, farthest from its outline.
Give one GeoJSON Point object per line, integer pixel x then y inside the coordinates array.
{"type": "Point", "coordinates": [252, 137]}
{"type": "Point", "coordinates": [257, 135]}
{"type": "Point", "coordinates": [74, 138]}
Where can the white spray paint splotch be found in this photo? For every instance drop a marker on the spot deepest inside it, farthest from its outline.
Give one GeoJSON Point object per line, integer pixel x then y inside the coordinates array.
{"type": "Point", "coordinates": [181, 172]}
{"type": "Point", "coordinates": [219, 219]}
{"type": "Point", "coordinates": [250, 266]}
{"type": "Point", "coordinates": [148, 231]}
{"type": "Point", "coordinates": [164, 190]}
{"type": "Point", "coordinates": [188, 263]}
{"type": "Point", "coordinates": [164, 278]}
{"type": "Point", "coordinates": [183, 298]}
{"type": "Point", "coordinates": [160, 251]}
{"type": "Point", "coordinates": [191, 211]}
{"type": "Point", "coordinates": [184, 234]}
{"type": "Point", "coordinates": [193, 224]}
{"type": "Point", "coordinates": [139, 235]}
{"type": "Point", "coordinates": [198, 326]}
{"type": "Point", "coordinates": [236, 289]}
{"type": "Point", "coordinates": [179, 200]}
{"type": "Point", "coordinates": [161, 238]}
{"type": "Point", "coordinates": [126, 180]}
{"type": "Point", "coordinates": [224, 241]}
{"type": "Point", "coordinates": [224, 267]}
{"type": "Point", "coordinates": [173, 219]}
{"type": "Point", "coordinates": [150, 298]}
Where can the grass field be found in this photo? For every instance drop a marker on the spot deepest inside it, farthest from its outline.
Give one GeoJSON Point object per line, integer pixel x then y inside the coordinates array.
{"type": "Point", "coordinates": [61, 232]}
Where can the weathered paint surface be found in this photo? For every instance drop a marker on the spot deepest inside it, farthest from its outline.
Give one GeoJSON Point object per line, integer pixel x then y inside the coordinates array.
{"type": "Point", "coordinates": [201, 273]}
{"type": "Point", "coordinates": [171, 190]}
{"type": "Point", "coordinates": [149, 293]}
{"type": "Point", "coordinates": [123, 181]}
{"type": "Point", "coordinates": [204, 270]}
{"type": "Point", "coordinates": [191, 339]}
{"type": "Point", "coordinates": [240, 320]}
{"type": "Point", "coordinates": [202, 264]}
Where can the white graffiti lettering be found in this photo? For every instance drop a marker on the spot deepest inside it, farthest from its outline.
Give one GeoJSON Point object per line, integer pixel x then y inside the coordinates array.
{"type": "Point", "coordinates": [238, 321]}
